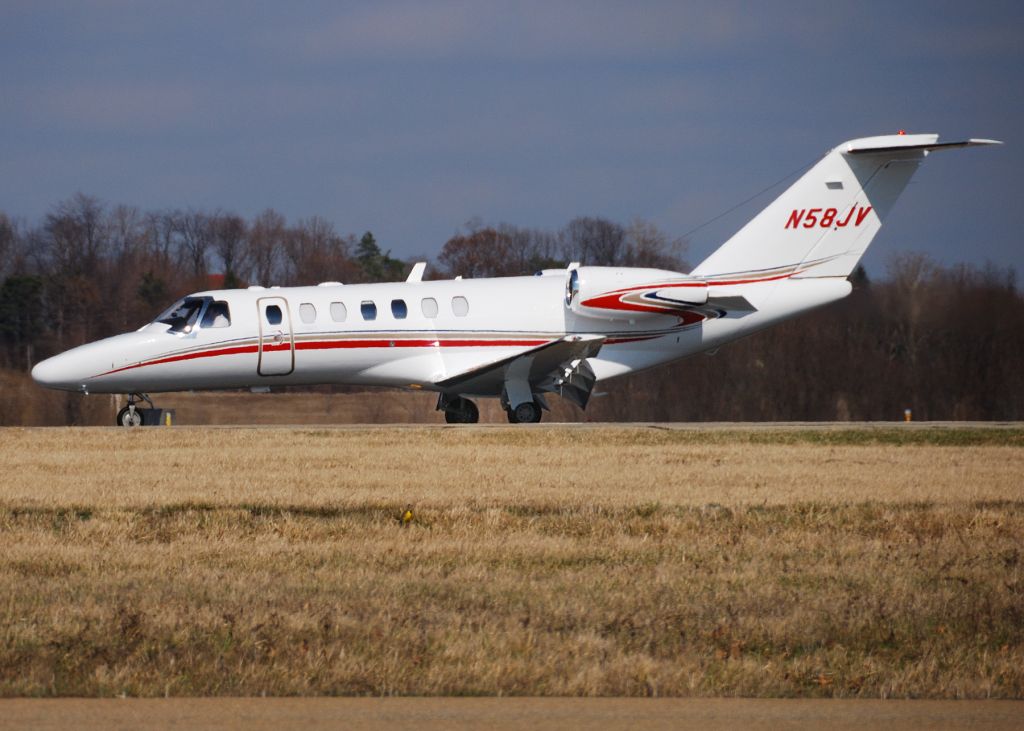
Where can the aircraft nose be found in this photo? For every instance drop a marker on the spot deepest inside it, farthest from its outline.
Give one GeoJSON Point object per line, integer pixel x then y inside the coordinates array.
{"type": "Point", "coordinates": [87, 368]}
{"type": "Point", "coordinates": [57, 372]}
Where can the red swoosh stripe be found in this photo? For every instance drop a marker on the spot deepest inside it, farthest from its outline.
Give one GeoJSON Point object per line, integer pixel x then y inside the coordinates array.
{"type": "Point", "coordinates": [332, 345]}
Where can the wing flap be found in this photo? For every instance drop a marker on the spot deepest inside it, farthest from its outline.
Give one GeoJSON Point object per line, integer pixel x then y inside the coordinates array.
{"type": "Point", "coordinates": [545, 363]}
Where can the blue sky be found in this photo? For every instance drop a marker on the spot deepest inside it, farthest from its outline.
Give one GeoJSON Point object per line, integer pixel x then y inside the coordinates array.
{"type": "Point", "coordinates": [410, 118]}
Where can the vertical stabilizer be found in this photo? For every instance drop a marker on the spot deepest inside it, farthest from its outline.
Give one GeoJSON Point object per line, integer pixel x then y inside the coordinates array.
{"type": "Point", "coordinates": [822, 224]}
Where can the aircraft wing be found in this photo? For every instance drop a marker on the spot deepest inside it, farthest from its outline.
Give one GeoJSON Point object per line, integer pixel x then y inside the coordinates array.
{"type": "Point", "coordinates": [556, 366]}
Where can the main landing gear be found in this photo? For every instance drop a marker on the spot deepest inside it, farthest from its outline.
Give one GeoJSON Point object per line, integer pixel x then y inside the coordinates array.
{"type": "Point", "coordinates": [528, 412]}
{"type": "Point", "coordinates": [459, 410]}
{"type": "Point", "coordinates": [131, 415]}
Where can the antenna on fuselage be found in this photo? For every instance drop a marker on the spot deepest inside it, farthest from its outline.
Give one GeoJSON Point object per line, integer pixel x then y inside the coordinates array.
{"type": "Point", "coordinates": [416, 275]}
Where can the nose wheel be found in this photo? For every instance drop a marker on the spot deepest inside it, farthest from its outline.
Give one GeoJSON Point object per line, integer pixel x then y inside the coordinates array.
{"type": "Point", "coordinates": [131, 415]}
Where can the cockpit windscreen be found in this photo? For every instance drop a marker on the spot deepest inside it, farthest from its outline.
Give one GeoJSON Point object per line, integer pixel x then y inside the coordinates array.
{"type": "Point", "coordinates": [183, 314]}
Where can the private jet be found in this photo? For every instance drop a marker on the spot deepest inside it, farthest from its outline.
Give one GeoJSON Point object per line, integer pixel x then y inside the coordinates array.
{"type": "Point", "coordinates": [517, 339]}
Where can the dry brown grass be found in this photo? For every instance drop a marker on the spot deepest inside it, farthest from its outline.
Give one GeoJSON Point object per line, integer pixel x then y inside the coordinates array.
{"type": "Point", "coordinates": [551, 561]}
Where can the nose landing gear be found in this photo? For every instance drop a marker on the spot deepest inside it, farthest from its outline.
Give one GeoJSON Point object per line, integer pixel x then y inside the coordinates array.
{"type": "Point", "coordinates": [132, 415]}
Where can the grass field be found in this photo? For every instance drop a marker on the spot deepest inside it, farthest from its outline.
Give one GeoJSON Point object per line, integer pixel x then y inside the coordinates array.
{"type": "Point", "coordinates": [541, 561]}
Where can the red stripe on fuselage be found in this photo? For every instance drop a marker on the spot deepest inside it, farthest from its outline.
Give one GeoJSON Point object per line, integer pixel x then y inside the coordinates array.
{"type": "Point", "coordinates": [399, 343]}
{"type": "Point", "coordinates": [750, 281]}
{"type": "Point", "coordinates": [189, 356]}
{"type": "Point", "coordinates": [331, 345]}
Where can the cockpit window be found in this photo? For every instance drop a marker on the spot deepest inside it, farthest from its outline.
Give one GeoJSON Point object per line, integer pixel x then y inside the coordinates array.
{"type": "Point", "coordinates": [217, 315]}
{"type": "Point", "coordinates": [182, 315]}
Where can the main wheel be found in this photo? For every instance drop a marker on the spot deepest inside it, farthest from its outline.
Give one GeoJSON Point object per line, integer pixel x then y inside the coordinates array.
{"type": "Point", "coordinates": [461, 411]}
{"type": "Point", "coordinates": [527, 412]}
{"type": "Point", "coordinates": [129, 417]}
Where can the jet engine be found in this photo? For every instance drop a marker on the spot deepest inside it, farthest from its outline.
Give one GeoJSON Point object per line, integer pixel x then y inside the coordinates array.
{"type": "Point", "coordinates": [614, 293]}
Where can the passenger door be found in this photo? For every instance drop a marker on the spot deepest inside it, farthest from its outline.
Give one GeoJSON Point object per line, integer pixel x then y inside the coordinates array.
{"type": "Point", "coordinates": [277, 343]}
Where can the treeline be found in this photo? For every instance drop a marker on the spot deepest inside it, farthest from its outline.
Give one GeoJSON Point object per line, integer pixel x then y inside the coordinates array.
{"type": "Point", "coordinates": [945, 342]}
{"type": "Point", "coordinates": [89, 270]}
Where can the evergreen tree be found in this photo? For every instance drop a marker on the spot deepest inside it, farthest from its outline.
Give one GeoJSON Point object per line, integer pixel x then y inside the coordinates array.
{"type": "Point", "coordinates": [21, 307]}
{"type": "Point", "coordinates": [377, 266]}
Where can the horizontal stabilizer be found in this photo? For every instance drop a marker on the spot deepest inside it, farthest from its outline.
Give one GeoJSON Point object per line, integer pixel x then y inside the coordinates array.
{"type": "Point", "coordinates": [734, 305]}
{"type": "Point", "coordinates": [895, 143]}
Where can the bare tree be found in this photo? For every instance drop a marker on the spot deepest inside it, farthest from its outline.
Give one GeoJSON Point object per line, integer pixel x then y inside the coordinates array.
{"type": "Point", "coordinates": [499, 251]}
{"type": "Point", "coordinates": [159, 238]}
{"type": "Point", "coordinates": [127, 231]}
{"type": "Point", "coordinates": [72, 244]}
{"type": "Point", "coordinates": [912, 276]}
{"type": "Point", "coordinates": [12, 246]}
{"type": "Point", "coordinates": [485, 252]}
{"type": "Point", "coordinates": [530, 250]}
{"type": "Point", "coordinates": [76, 234]}
{"type": "Point", "coordinates": [124, 265]}
{"type": "Point", "coordinates": [594, 241]}
{"type": "Point", "coordinates": [649, 246]}
{"type": "Point", "coordinates": [266, 239]}
{"type": "Point", "coordinates": [229, 241]}
{"type": "Point", "coordinates": [315, 252]}
{"type": "Point", "coordinates": [194, 231]}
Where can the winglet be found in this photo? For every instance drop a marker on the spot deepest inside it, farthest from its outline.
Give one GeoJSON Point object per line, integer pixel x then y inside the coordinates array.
{"type": "Point", "coordinates": [416, 275]}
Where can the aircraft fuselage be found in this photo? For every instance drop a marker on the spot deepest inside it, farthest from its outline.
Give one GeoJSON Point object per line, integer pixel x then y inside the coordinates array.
{"type": "Point", "coordinates": [405, 334]}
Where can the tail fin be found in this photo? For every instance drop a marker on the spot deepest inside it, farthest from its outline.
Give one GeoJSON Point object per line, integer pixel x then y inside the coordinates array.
{"type": "Point", "coordinates": [823, 224]}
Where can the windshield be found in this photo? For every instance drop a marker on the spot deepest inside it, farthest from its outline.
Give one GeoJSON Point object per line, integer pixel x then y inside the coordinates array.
{"type": "Point", "coordinates": [183, 314]}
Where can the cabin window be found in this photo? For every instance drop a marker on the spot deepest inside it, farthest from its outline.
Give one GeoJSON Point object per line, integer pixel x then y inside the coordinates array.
{"type": "Point", "coordinates": [339, 313]}
{"type": "Point", "coordinates": [274, 316]}
{"type": "Point", "coordinates": [429, 306]}
{"type": "Point", "coordinates": [307, 312]}
{"type": "Point", "coordinates": [460, 306]}
{"type": "Point", "coordinates": [368, 309]}
{"type": "Point", "coordinates": [399, 309]}
{"type": "Point", "coordinates": [217, 315]}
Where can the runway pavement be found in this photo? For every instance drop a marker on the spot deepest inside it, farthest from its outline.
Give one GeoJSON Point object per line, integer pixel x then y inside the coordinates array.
{"type": "Point", "coordinates": [536, 714]}
{"type": "Point", "coordinates": [666, 425]}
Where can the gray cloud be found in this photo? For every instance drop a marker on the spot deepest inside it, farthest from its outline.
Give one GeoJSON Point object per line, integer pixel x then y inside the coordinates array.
{"type": "Point", "coordinates": [525, 32]}
{"type": "Point", "coordinates": [409, 118]}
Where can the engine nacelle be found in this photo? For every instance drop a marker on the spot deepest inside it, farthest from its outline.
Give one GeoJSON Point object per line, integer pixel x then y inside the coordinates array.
{"type": "Point", "coordinates": [615, 293]}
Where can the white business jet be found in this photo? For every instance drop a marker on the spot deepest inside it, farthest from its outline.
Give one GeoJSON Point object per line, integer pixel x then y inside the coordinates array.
{"type": "Point", "coordinates": [515, 338]}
